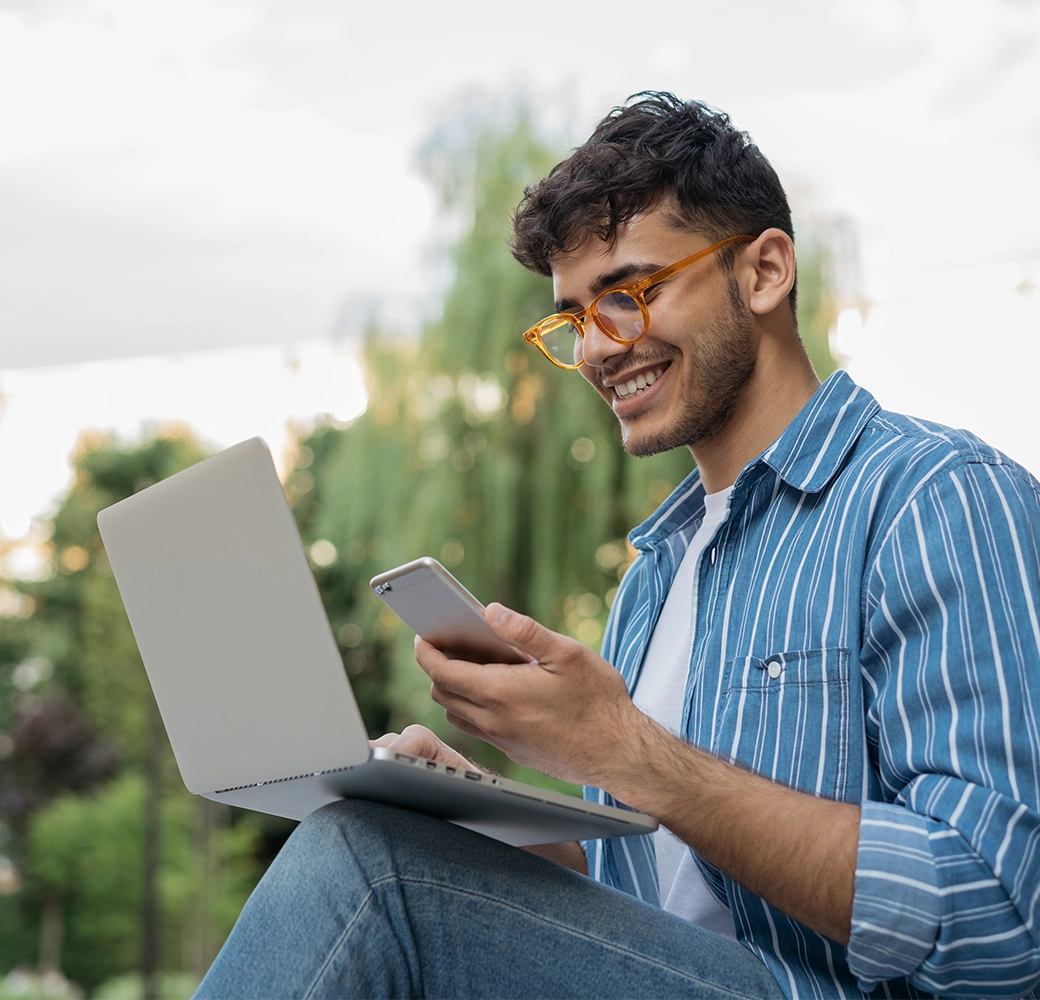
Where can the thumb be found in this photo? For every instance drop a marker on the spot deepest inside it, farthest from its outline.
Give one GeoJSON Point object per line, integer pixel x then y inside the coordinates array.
{"type": "Point", "coordinates": [524, 633]}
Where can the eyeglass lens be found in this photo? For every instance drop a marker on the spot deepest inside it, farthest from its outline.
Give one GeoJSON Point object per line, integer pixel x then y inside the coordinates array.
{"type": "Point", "coordinates": [563, 342]}
{"type": "Point", "coordinates": [618, 315]}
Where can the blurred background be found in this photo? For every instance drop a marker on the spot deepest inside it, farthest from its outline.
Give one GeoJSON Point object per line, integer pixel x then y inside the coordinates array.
{"type": "Point", "coordinates": [288, 218]}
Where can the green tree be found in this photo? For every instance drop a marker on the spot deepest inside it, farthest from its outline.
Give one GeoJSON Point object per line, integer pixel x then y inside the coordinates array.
{"type": "Point", "coordinates": [472, 449]}
{"type": "Point", "coordinates": [816, 308]}
{"type": "Point", "coordinates": [91, 849]}
{"type": "Point", "coordinates": [475, 450]}
{"type": "Point", "coordinates": [76, 702]}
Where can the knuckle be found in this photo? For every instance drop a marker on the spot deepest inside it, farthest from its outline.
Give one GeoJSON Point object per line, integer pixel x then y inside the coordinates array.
{"type": "Point", "coordinates": [527, 628]}
{"type": "Point", "coordinates": [459, 723]}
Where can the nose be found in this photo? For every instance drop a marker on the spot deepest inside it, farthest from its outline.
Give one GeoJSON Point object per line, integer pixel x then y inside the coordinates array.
{"type": "Point", "coordinates": [598, 349]}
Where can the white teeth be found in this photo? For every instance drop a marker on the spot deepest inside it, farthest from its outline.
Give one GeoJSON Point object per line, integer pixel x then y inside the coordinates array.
{"type": "Point", "coordinates": [642, 381]}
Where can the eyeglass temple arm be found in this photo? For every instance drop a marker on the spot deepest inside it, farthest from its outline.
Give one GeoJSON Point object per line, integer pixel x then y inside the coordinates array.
{"type": "Point", "coordinates": [666, 272]}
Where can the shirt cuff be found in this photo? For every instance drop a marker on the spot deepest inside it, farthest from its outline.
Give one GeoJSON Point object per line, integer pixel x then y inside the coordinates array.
{"type": "Point", "coordinates": [896, 907]}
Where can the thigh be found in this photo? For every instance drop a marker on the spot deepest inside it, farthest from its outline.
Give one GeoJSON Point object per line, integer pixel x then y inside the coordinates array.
{"type": "Point", "coordinates": [369, 900]}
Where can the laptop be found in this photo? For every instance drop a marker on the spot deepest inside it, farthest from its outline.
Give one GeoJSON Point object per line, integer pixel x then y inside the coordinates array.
{"type": "Point", "coordinates": [248, 677]}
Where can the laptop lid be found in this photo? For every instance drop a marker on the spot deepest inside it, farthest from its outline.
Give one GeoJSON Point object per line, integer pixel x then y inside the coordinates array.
{"type": "Point", "coordinates": [231, 626]}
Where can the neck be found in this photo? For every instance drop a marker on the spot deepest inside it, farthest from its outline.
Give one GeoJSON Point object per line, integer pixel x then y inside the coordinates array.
{"type": "Point", "coordinates": [782, 383]}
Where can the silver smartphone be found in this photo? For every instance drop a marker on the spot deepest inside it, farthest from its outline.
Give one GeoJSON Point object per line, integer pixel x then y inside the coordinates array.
{"type": "Point", "coordinates": [443, 612]}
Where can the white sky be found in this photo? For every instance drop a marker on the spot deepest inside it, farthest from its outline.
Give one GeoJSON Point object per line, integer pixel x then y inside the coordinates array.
{"type": "Point", "coordinates": [231, 187]}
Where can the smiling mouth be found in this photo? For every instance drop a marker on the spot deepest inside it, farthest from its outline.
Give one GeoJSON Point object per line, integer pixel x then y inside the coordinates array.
{"type": "Point", "coordinates": [636, 385]}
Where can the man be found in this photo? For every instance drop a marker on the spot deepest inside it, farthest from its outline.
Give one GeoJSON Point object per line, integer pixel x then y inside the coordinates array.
{"type": "Point", "coordinates": [822, 673]}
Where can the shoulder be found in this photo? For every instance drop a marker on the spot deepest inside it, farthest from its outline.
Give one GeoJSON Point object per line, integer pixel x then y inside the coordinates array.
{"type": "Point", "coordinates": [917, 434]}
{"type": "Point", "coordinates": [913, 455]}
{"type": "Point", "coordinates": [931, 478]}
{"type": "Point", "coordinates": [843, 443]}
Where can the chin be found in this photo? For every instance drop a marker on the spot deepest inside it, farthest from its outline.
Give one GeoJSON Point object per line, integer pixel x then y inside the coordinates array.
{"type": "Point", "coordinates": [645, 445]}
{"type": "Point", "coordinates": [688, 433]}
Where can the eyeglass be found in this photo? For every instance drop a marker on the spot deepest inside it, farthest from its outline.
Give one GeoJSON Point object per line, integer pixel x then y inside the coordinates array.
{"type": "Point", "coordinates": [620, 312]}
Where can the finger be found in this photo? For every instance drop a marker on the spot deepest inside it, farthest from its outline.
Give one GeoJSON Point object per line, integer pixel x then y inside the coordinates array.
{"type": "Point", "coordinates": [427, 655]}
{"type": "Point", "coordinates": [384, 741]}
{"type": "Point", "coordinates": [417, 740]}
{"type": "Point", "coordinates": [451, 701]}
{"type": "Point", "coordinates": [456, 708]}
{"type": "Point", "coordinates": [475, 683]}
{"type": "Point", "coordinates": [467, 727]}
{"type": "Point", "coordinates": [532, 639]}
{"type": "Point", "coordinates": [430, 658]}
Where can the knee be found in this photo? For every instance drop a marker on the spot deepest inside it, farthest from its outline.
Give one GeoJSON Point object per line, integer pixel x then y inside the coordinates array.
{"type": "Point", "coordinates": [341, 842]}
{"type": "Point", "coordinates": [368, 833]}
{"type": "Point", "coordinates": [349, 821]}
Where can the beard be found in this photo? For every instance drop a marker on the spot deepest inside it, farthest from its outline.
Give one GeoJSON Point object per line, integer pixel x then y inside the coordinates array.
{"type": "Point", "coordinates": [723, 361]}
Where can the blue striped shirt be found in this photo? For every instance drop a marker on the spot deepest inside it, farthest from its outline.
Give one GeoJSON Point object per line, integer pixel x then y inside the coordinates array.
{"type": "Point", "coordinates": [867, 630]}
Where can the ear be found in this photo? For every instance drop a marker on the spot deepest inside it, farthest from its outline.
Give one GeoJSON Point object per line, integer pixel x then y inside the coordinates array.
{"type": "Point", "coordinates": [770, 270]}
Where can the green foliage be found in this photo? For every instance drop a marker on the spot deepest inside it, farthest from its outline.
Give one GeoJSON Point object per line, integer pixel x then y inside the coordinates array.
{"type": "Point", "coordinates": [76, 706]}
{"type": "Point", "coordinates": [816, 311]}
{"type": "Point", "coordinates": [24, 984]}
{"type": "Point", "coordinates": [89, 848]}
{"type": "Point", "coordinates": [172, 986]}
{"type": "Point", "coordinates": [104, 474]}
{"type": "Point", "coordinates": [18, 934]}
{"type": "Point", "coordinates": [92, 849]}
{"type": "Point", "coordinates": [74, 651]}
{"type": "Point", "coordinates": [473, 449]}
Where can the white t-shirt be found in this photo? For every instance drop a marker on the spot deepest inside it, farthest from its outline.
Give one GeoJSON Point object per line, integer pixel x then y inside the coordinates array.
{"type": "Point", "coordinates": [659, 693]}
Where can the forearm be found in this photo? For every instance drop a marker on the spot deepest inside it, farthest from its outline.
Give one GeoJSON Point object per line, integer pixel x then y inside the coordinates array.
{"type": "Point", "coordinates": [795, 851]}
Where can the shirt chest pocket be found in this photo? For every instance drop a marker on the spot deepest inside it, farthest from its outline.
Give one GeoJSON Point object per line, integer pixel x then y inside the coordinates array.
{"type": "Point", "coordinates": [787, 717]}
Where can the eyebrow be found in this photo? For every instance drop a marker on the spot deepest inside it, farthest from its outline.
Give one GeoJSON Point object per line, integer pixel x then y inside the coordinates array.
{"type": "Point", "coordinates": [610, 279]}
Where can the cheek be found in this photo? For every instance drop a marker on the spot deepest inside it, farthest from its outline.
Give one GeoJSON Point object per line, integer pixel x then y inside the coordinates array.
{"type": "Point", "coordinates": [589, 374]}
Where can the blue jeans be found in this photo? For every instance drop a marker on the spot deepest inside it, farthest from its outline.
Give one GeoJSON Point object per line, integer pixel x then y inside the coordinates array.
{"type": "Point", "coordinates": [367, 900]}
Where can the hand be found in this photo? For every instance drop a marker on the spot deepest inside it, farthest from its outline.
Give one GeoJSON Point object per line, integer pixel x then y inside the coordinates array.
{"type": "Point", "coordinates": [420, 742]}
{"type": "Point", "coordinates": [566, 712]}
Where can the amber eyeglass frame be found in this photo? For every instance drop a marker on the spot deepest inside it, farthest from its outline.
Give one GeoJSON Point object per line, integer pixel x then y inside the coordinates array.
{"type": "Point", "coordinates": [634, 289]}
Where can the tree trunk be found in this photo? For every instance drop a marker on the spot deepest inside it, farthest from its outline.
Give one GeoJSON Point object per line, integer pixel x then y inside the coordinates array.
{"type": "Point", "coordinates": [150, 895]}
{"type": "Point", "coordinates": [52, 930]}
{"type": "Point", "coordinates": [210, 818]}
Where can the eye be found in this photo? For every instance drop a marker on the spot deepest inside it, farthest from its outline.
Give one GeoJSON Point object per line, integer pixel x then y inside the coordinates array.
{"type": "Point", "coordinates": [620, 301]}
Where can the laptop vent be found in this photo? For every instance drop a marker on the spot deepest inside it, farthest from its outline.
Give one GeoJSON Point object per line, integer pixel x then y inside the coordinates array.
{"type": "Point", "coordinates": [275, 781]}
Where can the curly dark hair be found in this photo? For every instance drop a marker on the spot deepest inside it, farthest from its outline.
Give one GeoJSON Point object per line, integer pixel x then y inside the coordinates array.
{"type": "Point", "coordinates": [653, 147]}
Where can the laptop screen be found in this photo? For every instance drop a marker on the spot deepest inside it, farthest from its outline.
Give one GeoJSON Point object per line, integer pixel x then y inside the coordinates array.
{"type": "Point", "coordinates": [231, 626]}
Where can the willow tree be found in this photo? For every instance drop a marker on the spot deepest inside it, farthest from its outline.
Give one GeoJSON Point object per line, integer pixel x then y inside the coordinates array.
{"type": "Point", "coordinates": [473, 448]}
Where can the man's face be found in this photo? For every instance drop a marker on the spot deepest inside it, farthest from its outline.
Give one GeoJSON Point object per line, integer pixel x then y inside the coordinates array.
{"type": "Point", "coordinates": [682, 382]}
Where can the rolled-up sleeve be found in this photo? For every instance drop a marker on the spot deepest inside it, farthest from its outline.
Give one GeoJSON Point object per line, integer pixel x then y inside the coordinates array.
{"type": "Point", "coordinates": [948, 870]}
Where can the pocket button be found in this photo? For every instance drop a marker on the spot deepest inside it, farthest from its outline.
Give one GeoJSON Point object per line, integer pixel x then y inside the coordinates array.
{"type": "Point", "coordinates": [774, 669]}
